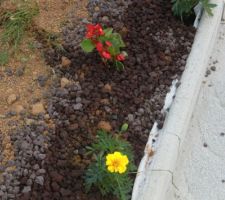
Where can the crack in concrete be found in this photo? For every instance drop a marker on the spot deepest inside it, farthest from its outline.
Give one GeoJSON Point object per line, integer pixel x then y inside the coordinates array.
{"type": "Point", "coordinates": [163, 170]}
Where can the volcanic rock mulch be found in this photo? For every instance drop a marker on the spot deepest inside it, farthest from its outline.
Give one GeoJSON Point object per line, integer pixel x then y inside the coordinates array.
{"type": "Point", "coordinates": [50, 162]}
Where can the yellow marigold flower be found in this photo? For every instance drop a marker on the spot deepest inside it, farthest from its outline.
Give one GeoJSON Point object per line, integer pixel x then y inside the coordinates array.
{"type": "Point", "coordinates": [116, 162]}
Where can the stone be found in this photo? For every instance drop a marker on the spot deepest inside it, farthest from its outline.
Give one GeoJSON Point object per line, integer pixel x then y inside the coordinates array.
{"type": "Point", "coordinates": [26, 189]}
{"type": "Point", "coordinates": [41, 171]}
{"type": "Point", "coordinates": [104, 126]}
{"type": "Point", "coordinates": [105, 19]}
{"type": "Point", "coordinates": [39, 180]}
{"type": "Point", "coordinates": [42, 80]}
{"type": "Point", "coordinates": [65, 192]}
{"type": "Point", "coordinates": [78, 106]}
{"type": "Point", "coordinates": [20, 71]}
{"type": "Point", "coordinates": [11, 99]}
{"type": "Point", "coordinates": [38, 108]}
{"type": "Point", "coordinates": [41, 156]}
{"type": "Point", "coordinates": [18, 109]}
{"type": "Point", "coordinates": [66, 62]}
{"type": "Point", "coordinates": [56, 176]}
{"type": "Point", "coordinates": [8, 71]}
{"type": "Point", "coordinates": [130, 117]}
{"type": "Point", "coordinates": [29, 121]}
{"type": "Point", "coordinates": [107, 88]}
{"type": "Point", "coordinates": [65, 82]}
{"type": "Point", "coordinates": [78, 100]}
{"type": "Point", "coordinates": [55, 187]}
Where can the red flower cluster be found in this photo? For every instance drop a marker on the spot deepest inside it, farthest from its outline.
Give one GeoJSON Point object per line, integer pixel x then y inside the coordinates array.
{"type": "Point", "coordinates": [94, 31]}
{"type": "Point", "coordinates": [103, 49]}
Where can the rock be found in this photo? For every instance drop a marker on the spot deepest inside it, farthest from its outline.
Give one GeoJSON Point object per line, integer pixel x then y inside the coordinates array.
{"type": "Point", "coordinates": [18, 109]}
{"type": "Point", "coordinates": [38, 108]}
{"type": "Point", "coordinates": [65, 192]}
{"type": "Point", "coordinates": [39, 180]}
{"type": "Point", "coordinates": [107, 88]}
{"type": "Point", "coordinates": [78, 100]}
{"type": "Point", "coordinates": [20, 71]}
{"type": "Point", "coordinates": [66, 62]}
{"type": "Point", "coordinates": [29, 121]}
{"type": "Point", "coordinates": [78, 106]}
{"type": "Point", "coordinates": [42, 79]}
{"type": "Point", "coordinates": [55, 187]}
{"type": "Point", "coordinates": [65, 82]}
{"type": "Point", "coordinates": [36, 167]}
{"type": "Point", "coordinates": [8, 71]}
{"type": "Point", "coordinates": [97, 9]}
{"type": "Point", "coordinates": [41, 156]}
{"type": "Point", "coordinates": [104, 126]}
{"type": "Point", "coordinates": [26, 189]}
{"type": "Point", "coordinates": [105, 19]}
{"type": "Point", "coordinates": [130, 117]}
{"type": "Point", "coordinates": [29, 182]}
{"type": "Point", "coordinates": [11, 99]}
{"type": "Point", "coordinates": [41, 171]}
{"type": "Point", "coordinates": [105, 101]}
{"type": "Point", "coordinates": [56, 176]}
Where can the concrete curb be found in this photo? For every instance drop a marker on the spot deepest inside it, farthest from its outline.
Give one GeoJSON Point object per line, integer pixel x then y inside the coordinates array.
{"type": "Point", "coordinates": [155, 176]}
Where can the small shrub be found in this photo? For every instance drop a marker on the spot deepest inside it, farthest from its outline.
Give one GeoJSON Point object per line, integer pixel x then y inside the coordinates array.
{"type": "Point", "coordinates": [107, 43]}
{"type": "Point", "coordinates": [184, 8]}
{"type": "Point", "coordinates": [15, 24]}
{"type": "Point", "coordinates": [113, 162]}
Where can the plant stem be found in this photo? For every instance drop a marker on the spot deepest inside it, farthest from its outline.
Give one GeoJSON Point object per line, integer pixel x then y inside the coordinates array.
{"type": "Point", "coordinates": [121, 193]}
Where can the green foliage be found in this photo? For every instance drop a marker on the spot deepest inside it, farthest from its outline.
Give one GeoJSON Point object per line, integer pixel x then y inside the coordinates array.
{"type": "Point", "coordinates": [87, 45]}
{"type": "Point", "coordinates": [97, 174]}
{"type": "Point", "coordinates": [15, 24]}
{"type": "Point", "coordinates": [184, 8]}
{"type": "Point", "coordinates": [4, 57]}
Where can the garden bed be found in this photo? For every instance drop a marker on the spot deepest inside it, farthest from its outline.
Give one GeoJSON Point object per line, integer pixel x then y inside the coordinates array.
{"type": "Point", "coordinates": [86, 95]}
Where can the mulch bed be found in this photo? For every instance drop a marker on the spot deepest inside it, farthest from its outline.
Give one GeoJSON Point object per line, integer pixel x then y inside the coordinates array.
{"type": "Point", "coordinates": [157, 45]}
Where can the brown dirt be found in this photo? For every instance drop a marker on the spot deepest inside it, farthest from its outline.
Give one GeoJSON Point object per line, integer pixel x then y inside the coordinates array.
{"type": "Point", "coordinates": [26, 86]}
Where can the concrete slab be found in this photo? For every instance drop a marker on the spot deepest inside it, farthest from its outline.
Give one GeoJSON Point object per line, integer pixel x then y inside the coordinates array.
{"type": "Point", "coordinates": [200, 170]}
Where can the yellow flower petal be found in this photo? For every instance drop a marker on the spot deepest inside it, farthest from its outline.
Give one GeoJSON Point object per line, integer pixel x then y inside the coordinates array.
{"type": "Point", "coordinates": [117, 162]}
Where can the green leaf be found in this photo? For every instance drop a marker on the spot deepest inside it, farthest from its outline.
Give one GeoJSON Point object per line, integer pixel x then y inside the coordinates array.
{"type": "Point", "coordinates": [108, 32]}
{"type": "Point", "coordinates": [119, 65]}
{"type": "Point", "coordinates": [114, 50]}
{"type": "Point", "coordinates": [87, 45]}
{"type": "Point", "coordinates": [124, 127]}
{"type": "Point", "coordinates": [119, 39]}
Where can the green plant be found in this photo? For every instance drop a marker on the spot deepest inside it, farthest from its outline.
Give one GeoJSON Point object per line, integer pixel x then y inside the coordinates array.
{"type": "Point", "coordinates": [107, 43]}
{"type": "Point", "coordinates": [113, 163]}
{"type": "Point", "coordinates": [15, 24]}
{"type": "Point", "coordinates": [184, 8]}
{"type": "Point", "coordinates": [4, 57]}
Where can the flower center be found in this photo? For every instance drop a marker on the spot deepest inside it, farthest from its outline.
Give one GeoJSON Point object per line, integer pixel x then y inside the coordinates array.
{"type": "Point", "coordinates": [116, 163]}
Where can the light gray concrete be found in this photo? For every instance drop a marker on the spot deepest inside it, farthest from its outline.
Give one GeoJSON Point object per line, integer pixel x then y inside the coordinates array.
{"type": "Point", "coordinates": [200, 169]}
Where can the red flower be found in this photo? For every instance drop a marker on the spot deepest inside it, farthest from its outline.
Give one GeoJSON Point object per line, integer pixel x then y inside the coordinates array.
{"type": "Point", "coordinates": [108, 43]}
{"type": "Point", "coordinates": [99, 46]}
{"type": "Point", "coordinates": [94, 31]}
{"type": "Point", "coordinates": [99, 30]}
{"type": "Point", "coordinates": [120, 57]}
{"type": "Point", "coordinates": [106, 55]}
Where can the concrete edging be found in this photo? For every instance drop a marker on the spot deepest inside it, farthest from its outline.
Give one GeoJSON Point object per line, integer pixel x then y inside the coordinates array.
{"type": "Point", "coordinates": [155, 175]}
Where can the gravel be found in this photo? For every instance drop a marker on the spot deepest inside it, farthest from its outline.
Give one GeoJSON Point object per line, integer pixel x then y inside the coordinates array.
{"type": "Point", "coordinates": [49, 152]}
